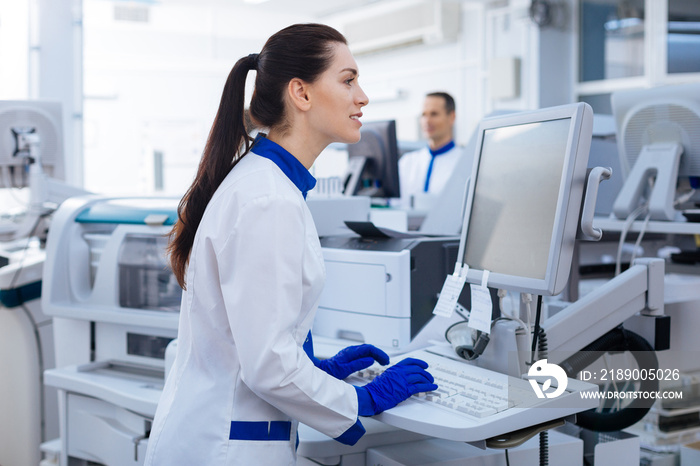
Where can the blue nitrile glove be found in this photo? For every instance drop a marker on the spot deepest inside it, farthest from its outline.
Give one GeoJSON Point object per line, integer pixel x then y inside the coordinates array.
{"type": "Point", "coordinates": [397, 383]}
{"type": "Point", "coordinates": [352, 359]}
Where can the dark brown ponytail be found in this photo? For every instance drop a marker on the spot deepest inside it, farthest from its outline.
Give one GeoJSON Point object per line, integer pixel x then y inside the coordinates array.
{"type": "Point", "coordinates": [301, 51]}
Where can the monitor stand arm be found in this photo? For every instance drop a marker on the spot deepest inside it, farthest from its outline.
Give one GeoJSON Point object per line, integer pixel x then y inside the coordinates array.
{"type": "Point", "coordinates": [638, 289]}
{"type": "Point", "coordinates": [659, 161]}
{"type": "Point", "coordinates": [354, 176]}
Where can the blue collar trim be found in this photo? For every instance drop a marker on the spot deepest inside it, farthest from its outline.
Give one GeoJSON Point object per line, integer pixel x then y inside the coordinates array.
{"type": "Point", "coordinates": [289, 164]}
{"type": "Point", "coordinates": [443, 149]}
{"type": "Point", "coordinates": [435, 153]}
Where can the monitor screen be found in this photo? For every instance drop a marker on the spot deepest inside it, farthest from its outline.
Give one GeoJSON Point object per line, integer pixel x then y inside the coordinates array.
{"type": "Point", "coordinates": [523, 203]}
{"type": "Point", "coordinates": [374, 161]}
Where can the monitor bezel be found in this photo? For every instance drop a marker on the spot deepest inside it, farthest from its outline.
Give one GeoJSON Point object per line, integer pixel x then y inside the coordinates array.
{"type": "Point", "coordinates": [566, 221]}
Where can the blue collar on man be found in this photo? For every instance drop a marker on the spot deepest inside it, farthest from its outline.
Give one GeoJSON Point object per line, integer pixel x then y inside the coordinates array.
{"type": "Point", "coordinates": [434, 153]}
{"type": "Point", "coordinates": [442, 149]}
{"type": "Point", "coordinates": [290, 165]}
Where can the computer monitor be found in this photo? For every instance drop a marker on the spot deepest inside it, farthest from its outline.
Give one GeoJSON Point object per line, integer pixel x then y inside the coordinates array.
{"type": "Point", "coordinates": [373, 162]}
{"type": "Point", "coordinates": [523, 202]}
{"type": "Point", "coordinates": [445, 216]}
{"type": "Point", "coordinates": [658, 137]}
{"type": "Point", "coordinates": [30, 130]}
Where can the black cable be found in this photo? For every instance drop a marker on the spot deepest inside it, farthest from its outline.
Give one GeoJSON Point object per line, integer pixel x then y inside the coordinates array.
{"type": "Point", "coordinates": [507, 459]}
{"type": "Point", "coordinates": [543, 346]}
{"type": "Point", "coordinates": [542, 350]}
{"type": "Point", "coordinates": [544, 448]}
{"type": "Point", "coordinates": [538, 314]}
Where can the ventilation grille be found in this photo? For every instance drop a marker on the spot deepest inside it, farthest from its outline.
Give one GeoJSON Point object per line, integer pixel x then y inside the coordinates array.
{"type": "Point", "coordinates": [404, 22]}
{"type": "Point", "coordinates": [418, 22]}
{"type": "Point", "coordinates": [665, 123]}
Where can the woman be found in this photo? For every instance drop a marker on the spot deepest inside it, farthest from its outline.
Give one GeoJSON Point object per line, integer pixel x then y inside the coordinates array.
{"type": "Point", "coordinates": [246, 252]}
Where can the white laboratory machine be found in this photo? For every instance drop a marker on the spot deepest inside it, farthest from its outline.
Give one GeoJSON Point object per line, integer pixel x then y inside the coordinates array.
{"type": "Point", "coordinates": [28, 412]}
{"type": "Point", "coordinates": [381, 290]}
{"type": "Point", "coordinates": [331, 212]}
{"type": "Point", "coordinates": [115, 305]}
{"type": "Point", "coordinates": [31, 186]}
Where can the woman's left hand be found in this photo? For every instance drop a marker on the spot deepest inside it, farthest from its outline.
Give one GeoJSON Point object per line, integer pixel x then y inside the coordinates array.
{"type": "Point", "coordinates": [353, 359]}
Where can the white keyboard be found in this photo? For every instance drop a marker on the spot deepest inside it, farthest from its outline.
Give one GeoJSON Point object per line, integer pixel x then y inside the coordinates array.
{"type": "Point", "coordinates": [465, 388]}
{"type": "Point", "coordinates": [473, 403]}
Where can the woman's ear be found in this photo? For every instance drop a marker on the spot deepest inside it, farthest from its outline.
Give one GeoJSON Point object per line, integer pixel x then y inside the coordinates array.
{"type": "Point", "coordinates": [298, 92]}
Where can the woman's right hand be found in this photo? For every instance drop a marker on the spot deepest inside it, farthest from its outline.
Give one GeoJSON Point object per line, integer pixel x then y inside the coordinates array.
{"type": "Point", "coordinates": [399, 382]}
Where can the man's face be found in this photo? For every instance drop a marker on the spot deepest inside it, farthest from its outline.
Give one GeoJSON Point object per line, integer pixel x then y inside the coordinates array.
{"type": "Point", "coordinates": [436, 122]}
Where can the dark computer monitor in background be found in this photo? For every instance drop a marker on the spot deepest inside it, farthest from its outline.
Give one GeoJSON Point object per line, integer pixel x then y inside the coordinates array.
{"type": "Point", "coordinates": [373, 162]}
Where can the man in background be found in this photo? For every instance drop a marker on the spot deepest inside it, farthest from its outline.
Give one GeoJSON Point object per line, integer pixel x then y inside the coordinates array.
{"type": "Point", "coordinates": [423, 173]}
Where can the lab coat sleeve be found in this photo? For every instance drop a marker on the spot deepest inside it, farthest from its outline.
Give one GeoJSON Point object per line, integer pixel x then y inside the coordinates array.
{"type": "Point", "coordinates": [410, 179]}
{"type": "Point", "coordinates": [260, 272]}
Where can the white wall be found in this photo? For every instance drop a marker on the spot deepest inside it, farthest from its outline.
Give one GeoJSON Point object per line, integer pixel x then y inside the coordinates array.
{"type": "Point", "coordinates": [14, 37]}
{"type": "Point", "coordinates": [155, 85]}
{"type": "Point", "coordinates": [546, 54]}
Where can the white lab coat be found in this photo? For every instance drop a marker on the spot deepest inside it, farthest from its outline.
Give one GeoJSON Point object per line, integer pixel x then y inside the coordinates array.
{"type": "Point", "coordinates": [413, 169]}
{"type": "Point", "coordinates": [254, 280]}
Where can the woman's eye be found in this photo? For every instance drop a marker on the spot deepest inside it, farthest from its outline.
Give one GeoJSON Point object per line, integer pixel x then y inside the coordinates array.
{"type": "Point", "coordinates": [350, 80]}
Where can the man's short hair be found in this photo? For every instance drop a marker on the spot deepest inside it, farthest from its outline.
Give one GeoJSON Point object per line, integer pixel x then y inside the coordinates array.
{"type": "Point", "coordinates": [449, 101]}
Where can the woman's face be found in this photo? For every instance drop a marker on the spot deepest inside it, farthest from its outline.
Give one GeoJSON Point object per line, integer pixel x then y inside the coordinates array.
{"type": "Point", "coordinates": [338, 99]}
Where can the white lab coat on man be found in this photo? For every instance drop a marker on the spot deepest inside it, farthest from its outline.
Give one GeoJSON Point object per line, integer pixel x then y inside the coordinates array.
{"type": "Point", "coordinates": [241, 379]}
{"type": "Point", "coordinates": [413, 171]}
